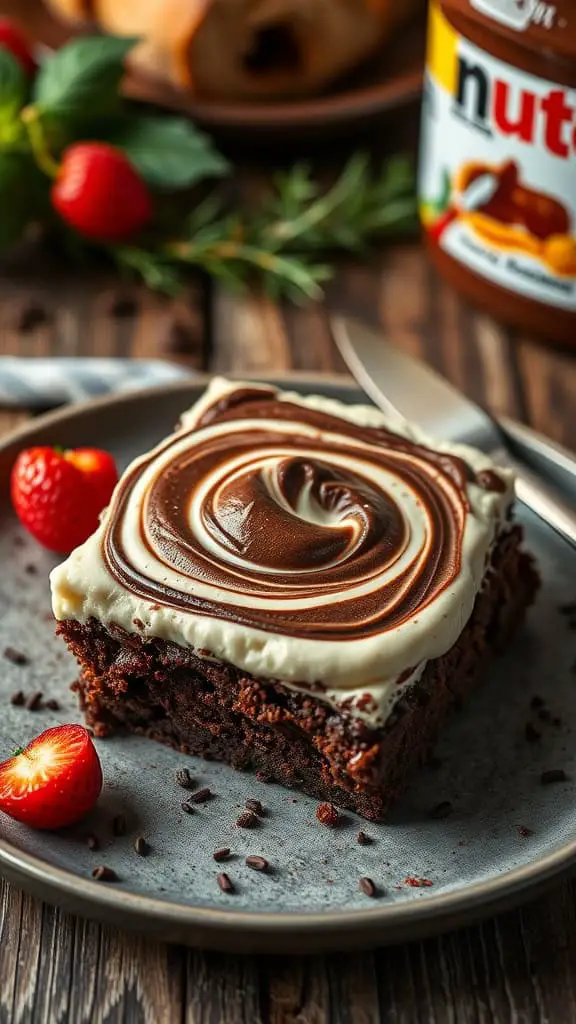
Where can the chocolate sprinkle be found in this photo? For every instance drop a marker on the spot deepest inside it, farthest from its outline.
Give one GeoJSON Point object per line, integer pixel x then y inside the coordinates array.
{"type": "Point", "coordinates": [15, 656]}
{"type": "Point", "coordinates": [255, 806]}
{"type": "Point", "coordinates": [531, 734]}
{"type": "Point", "coordinates": [553, 775]}
{"type": "Point", "coordinates": [225, 882]}
{"type": "Point", "coordinates": [441, 810]}
{"type": "Point", "coordinates": [17, 699]}
{"type": "Point", "coordinates": [328, 815]}
{"type": "Point", "coordinates": [363, 840]}
{"type": "Point", "coordinates": [184, 779]}
{"type": "Point", "coordinates": [201, 796]}
{"type": "Point", "coordinates": [104, 874]}
{"type": "Point", "coordinates": [367, 886]}
{"type": "Point", "coordinates": [34, 702]}
{"type": "Point", "coordinates": [257, 863]}
{"type": "Point", "coordinates": [141, 846]}
{"type": "Point", "coordinates": [222, 854]}
{"type": "Point", "coordinates": [119, 825]}
{"type": "Point", "coordinates": [247, 820]}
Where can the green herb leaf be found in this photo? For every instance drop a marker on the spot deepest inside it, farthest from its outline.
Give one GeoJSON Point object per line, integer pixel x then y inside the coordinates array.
{"type": "Point", "coordinates": [83, 77]}
{"type": "Point", "coordinates": [19, 193]}
{"type": "Point", "coordinates": [169, 152]}
{"type": "Point", "coordinates": [13, 87]}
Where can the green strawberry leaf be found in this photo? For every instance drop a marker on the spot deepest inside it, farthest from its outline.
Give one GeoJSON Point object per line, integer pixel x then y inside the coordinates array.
{"type": "Point", "coordinates": [83, 77]}
{"type": "Point", "coordinates": [20, 195]}
{"type": "Point", "coordinates": [170, 152]}
{"type": "Point", "coordinates": [13, 89]}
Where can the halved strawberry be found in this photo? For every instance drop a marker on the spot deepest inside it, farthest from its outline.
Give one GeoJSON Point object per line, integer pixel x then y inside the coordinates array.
{"type": "Point", "coordinates": [55, 781]}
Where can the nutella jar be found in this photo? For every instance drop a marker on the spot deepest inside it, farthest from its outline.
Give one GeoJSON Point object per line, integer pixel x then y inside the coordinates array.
{"type": "Point", "coordinates": [498, 158]}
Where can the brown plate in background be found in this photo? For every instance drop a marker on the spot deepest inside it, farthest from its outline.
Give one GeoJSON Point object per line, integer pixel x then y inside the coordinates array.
{"type": "Point", "coordinates": [392, 80]}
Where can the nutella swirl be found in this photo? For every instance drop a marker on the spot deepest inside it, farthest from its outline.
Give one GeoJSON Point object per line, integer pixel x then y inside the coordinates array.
{"type": "Point", "coordinates": [285, 518]}
{"type": "Point", "coordinates": [297, 538]}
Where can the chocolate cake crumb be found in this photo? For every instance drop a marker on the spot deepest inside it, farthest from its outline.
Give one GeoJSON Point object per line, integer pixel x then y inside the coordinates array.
{"type": "Point", "coordinates": [537, 702]}
{"type": "Point", "coordinates": [257, 863]}
{"type": "Point", "coordinates": [52, 704]}
{"type": "Point", "coordinates": [255, 806]}
{"type": "Point", "coordinates": [31, 569]}
{"type": "Point", "coordinates": [531, 734]}
{"type": "Point", "coordinates": [263, 777]}
{"type": "Point", "coordinates": [187, 808]}
{"type": "Point", "coordinates": [247, 820]}
{"type": "Point", "coordinates": [363, 840]}
{"type": "Point", "coordinates": [225, 882]}
{"type": "Point", "coordinates": [367, 886]}
{"type": "Point", "coordinates": [201, 796]}
{"type": "Point", "coordinates": [92, 842]}
{"type": "Point", "coordinates": [441, 810]}
{"type": "Point", "coordinates": [34, 702]}
{"type": "Point", "coordinates": [104, 874]}
{"type": "Point", "coordinates": [119, 825]}
{"type": "Point", "coordinates": [222, 854]}
{"type": "Point", "coordinates": [15, 656]}
{"type": "Point", "coordinates": [553, 775]}
{"type": "Point", "coordinates": [18, 699]}
{"type": "Point", "coordinates": [328, 815]}
{"type": "Point", "coordinates": [138, 623]}
{"type": "Point", "coordinates": [141, 846]}
{"type": "Point", "coordinates": [184, 779]}
{"type": "Point", "coordinates": [525, 832]}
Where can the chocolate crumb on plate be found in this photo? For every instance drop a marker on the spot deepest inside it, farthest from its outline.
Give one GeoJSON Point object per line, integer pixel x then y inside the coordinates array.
{"type": "Point", "coordinates": [257, 863]}
{"type": "Point", "coordinates": [525, 832]}
{"type": "Point", "coordinates": [34, 702]}
{"type": "Point", "coordinates": [531, 734]}
{"type": "Point", "coordinates": [367, 886]}
{"type": "Point", "coordinates": [52, 704]}
{"type": "Point", "coordinates": [187, 808]}
{"type": "Point", "coordinates": [442, 810]}
{"type": "Point", "coordinates": [92, 842]}
{"type": "Point", "coordinates": [18, 699]}
{"type": "Point", "coordinates": [201, 796]}
{"type": "Point", "coordinates": [184, 779]}
{"type": "Point", "coordinates": [104, 874]}
{"type": "Point", "coordinates": [141, 846]}
{"type": "Point", "coordinates": [223, 854]}
{"type": "Point", "coordinates": [327, 814]}
{"type": "Point", "coordinates": [362, 839]}
{"type": "Point", "coordinates": [255, 806]}
{"type": "Point", "coordinates": [225, 882]}
{"type": "Point", "coordinates": [31, 569]}
{"type": "Point", "coordinates": [15, 656]}
{"type": "Point", "coordinates": [247, 820]}
{"type": "Point", "coordinates": [118, 825]}
{"type": "Point", "coordinates": [553, 775]}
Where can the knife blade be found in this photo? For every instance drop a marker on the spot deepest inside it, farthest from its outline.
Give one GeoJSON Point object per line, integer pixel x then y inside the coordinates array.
{"type": "Point", "coordinates": [405, 387]}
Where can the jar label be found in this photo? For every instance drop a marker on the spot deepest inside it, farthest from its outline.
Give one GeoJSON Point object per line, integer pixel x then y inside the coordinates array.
{"type": "Point", "coordinates": [498, 168]}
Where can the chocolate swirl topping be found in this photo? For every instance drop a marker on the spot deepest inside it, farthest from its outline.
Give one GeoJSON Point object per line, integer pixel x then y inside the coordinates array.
{"type": "Point", "coordinates": [291, 520]}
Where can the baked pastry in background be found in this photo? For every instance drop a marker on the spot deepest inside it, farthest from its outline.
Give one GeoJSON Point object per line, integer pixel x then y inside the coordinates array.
{"type": "Point", "coordinates": [252, 49]}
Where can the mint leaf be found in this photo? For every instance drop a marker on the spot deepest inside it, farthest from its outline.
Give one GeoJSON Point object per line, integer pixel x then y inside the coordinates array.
{"type": "Point", "coordinates": [170, 153]}
{"type": "Point", "coordinates": [13, 87]}
{"type": "Point", "coordinates": [19, 195]}
{"type": "Point", "coordinates": [83, 77]}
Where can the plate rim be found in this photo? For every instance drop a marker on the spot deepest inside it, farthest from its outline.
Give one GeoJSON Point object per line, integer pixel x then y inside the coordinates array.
{"type": "Point", "coordinates": [257, 931]}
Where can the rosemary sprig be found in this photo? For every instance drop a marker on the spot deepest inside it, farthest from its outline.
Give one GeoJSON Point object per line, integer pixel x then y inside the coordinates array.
{"type": "Point", "coordinates": [283, 246]}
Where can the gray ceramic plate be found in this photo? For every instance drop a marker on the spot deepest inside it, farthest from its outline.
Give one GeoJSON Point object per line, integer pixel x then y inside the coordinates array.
{"type": "Point", "coordinates": [479, 859]}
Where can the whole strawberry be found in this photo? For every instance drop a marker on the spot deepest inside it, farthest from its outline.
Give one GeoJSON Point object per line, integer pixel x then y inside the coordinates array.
{"type": "Point", "coordinates": [59, 495]}
{"type": "Point", "coordinates": [99, 193]}
{"type": "Point", "coordinates": [54, 781]}
{"type": "Point", "coordinates": [13, 39]}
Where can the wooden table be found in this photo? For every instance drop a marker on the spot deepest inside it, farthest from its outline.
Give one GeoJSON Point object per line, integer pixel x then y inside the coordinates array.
{"type": "Point", "coordinates": [520, 967]}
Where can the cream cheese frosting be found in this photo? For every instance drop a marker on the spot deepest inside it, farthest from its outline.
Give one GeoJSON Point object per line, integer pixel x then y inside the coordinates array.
{"type": "Point", "coordinates": [298, 538]}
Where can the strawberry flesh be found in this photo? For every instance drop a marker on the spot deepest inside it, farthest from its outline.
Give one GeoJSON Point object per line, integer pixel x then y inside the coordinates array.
{"type": "Point", "coordinates": [54, 781]}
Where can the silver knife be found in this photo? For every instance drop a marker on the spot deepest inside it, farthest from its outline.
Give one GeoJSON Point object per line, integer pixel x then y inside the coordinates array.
{"type": "Point", "coordinates": [406, 388]}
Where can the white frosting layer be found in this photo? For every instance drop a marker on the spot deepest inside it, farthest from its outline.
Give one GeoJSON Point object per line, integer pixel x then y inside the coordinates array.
{"type": "Point", "coordinates": [83, 587]}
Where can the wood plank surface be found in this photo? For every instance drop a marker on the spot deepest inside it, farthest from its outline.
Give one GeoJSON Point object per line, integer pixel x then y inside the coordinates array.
{"type": "Point", "coordinates": [520, 967]}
